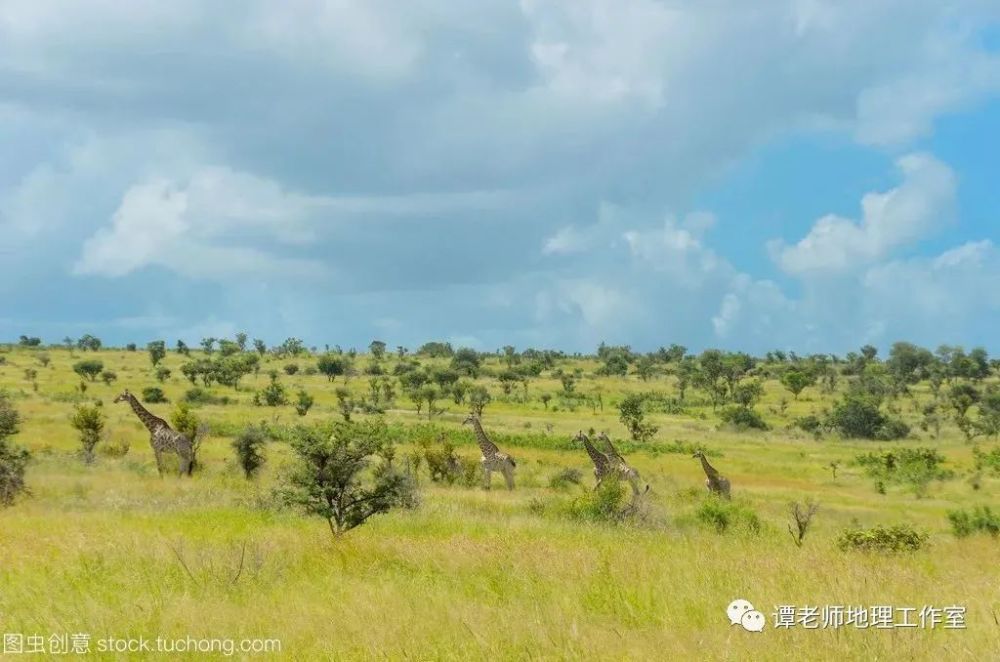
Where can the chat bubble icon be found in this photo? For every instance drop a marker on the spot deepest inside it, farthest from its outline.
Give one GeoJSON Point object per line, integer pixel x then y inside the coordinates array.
{"type": "Point", "coordinates": [753, 621]}
{"type": "Point", "coordinates": [736, 609]}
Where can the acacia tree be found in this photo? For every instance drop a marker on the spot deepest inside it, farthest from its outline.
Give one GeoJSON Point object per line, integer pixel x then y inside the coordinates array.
{"type": "Point", "coordinates": [796, 381]}
{"type": "Point", "coordinates": [157, 351]}
{"type": "Point", "coordinates": [332, 481]}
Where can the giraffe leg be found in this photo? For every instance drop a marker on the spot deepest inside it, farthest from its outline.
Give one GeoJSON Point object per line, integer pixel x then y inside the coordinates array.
{"type": "Point", "coordinates": [159, 461]}
{"type": "Point", "coordinates": [487, 476]}
{"type": "Point", "coordinates": [508, 475]}
{"type": "Point", "coordinates": [185, 464]}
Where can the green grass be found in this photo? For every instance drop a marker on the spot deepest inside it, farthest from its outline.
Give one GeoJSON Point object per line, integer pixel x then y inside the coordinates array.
{"type": "Point", "coordinates": [113, 550]}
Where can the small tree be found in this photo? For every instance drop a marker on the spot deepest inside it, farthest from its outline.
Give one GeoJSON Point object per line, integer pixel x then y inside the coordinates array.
{"type": "Point", "coordinates": [13, 459]}
{"type": "Point", "coordinates": [377, 349]}
{"type": "Point", "coordinates": [344, 402]}
{"type": "Point", "coordinates": [332, 365]}
{"type": "Point", "coordinates": [796, 381]}
{"type": "Point", "coordinates": [89, 421]}
{"type": "Point", "coordinates": [157, 351]}
{"type": "Point", "coordinates": [545, 398]}
{"type": "Point", "coordinates": [162, 374]}
{"type": "Point", "coordinates": [632, 416]}
{"type": "Point", "coordinates": [260, 346]}
{"type": "Point", "coordinates": [249, 447]}
{"type": "Point", "coordinates": [272, 395]}
{"type": "Point", "coordinates": [478, 398]}
{"type": "Point", "coordinates": [241, 341]}
{"type": "Point", "coordinates": [109, 377]}
{"type": "Point", "coordinates": [303, 403]}
{"type": "Point", "coordinates": [88, 368]}
{"type": "Point", "coordinates": [182, 348]}
{"type": "Point", "coordinates": [331, 480]}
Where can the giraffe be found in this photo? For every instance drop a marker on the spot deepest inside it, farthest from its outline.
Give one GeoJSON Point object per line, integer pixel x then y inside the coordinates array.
{"type": "Point", "coordinates": [493, 459]}
{"type": "Point", "coordinates": [602, 464]}
{"type": "Point", "coordinates": [162, 437]}
{"type": "Point", "coordinates": [621, 466]}
{"type": "Point", "coordinates": [716, 483]}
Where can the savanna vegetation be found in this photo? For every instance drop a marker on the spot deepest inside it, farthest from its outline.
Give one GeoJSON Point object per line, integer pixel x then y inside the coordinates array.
{"type": "Point", "coordinates": [337, 501]}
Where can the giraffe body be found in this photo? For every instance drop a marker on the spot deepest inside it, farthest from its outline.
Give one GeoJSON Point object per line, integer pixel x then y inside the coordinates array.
{"type": "Point", "coordinates": [602, 463]}
{"type": "Point", "coordinates": [621, 467]}
{"type": "Point", "coordinates": [493, 459]}
{"type": "Point", "coordinates": [162, 438]}
{"type": "Point", "coordinates": [715, 482]}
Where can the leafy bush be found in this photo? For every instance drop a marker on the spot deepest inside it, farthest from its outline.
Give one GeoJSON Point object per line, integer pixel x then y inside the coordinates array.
{"type": "Point", "coordinates": [201, 396]}
{"type": "Point", "coordinates": [608, 503]}
{"type": "Point", "coordinates": [810, 423]}
{"type": "Point", "coordinates": [858, 416]}
{"type": "Point", "coordinates": [332, 481]}
{"type": "Point", "coordinates": [725, 516]}
{"type": "Point", "coordinates": [303, 403]}
{"type": "Point", "coordinates": [915, 467]}
{"type": "Point", "coordinates": [291, 368]}
{"type": "Point", "coordinates": [742, 417]}
{"type": "Point", "coordinates": [987, 461]}
{"type": "Point", "coordinates": [13, 459]}
{"type": "Point", "coordinates": [153, 395]}
{"type": "Point", "coordinates": [249, 447]}
{"type": "Point", "coordinates": [272, 395]}
{"type": "Point", "coordinates": [566, 477]}
{"type": "Point", "coordinates": [89, 421]}
{"type": "Point", "coordinates": [632, 415]}
{"type": "Point", "coordinates": [980, 520]}
{"type": "Point", "coordinates": [899, 538]}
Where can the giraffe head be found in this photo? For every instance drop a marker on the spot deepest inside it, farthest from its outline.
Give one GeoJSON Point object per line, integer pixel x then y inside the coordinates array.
{"type": "Point", "coordinates": [471, 418]}
{"type": "Point", "coordinates": [580, 437]}
{"type": "Point", "coordinates": [699, 455]}
{"type": "Point", "coordinates": [123, 397]}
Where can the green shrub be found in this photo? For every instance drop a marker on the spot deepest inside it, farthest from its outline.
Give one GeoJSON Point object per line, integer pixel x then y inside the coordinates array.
{"type": "Point", "coordinates": [334, 477]}
{"type": "Point", "coordinates": [249, 447]}
{"type": "Point", "coordinates": [915, 467]}
{"type": "Point", "coordinates": [899, 538]}
{"type": "Point", "coordinates": [153, 395]}
{"type": "Point", "coordinates": [200, 396]}
{"type": "Point", "coordinates": [858, 416]}
{"type": "Point", "coordinates": [980, 519]}
{"type": "Point", "coordinates": [89, 421]}
{"type": "Point", "coordinates": [725, 516]}
{"type": "Point", "coordinates": [987, 461]}
{"type": "Point", "coordinates": [272, 395]}
{"type": "Point", "coordinates": [303, 403]}
{"type": "Point", "coordinates": [13, 459]}
{"type": "Point", "coordinates": [743, 418]}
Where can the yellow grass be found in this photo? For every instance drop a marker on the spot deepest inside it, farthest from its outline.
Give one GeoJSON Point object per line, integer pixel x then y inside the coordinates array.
{"type": "Point", "coordinates": [113, 550]}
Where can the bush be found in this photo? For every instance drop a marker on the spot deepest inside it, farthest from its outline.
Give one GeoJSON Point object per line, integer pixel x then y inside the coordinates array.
{"type": "Point", "coordinates": [153, 395]}
{"type": "Point", "coordinates": [332, 481]}
{"type": "Point", "coordinates": [291, 368]}
{"type": "Point", "coordinates": [632, 416]}
{"type": "Point", "coordinates": [915, 467]}
{"type": "Point", "coordinates": [608, 503]}
{"type": "Point", "coordinates": [13, 459]}
{"type": "Point", "coordinates": [724, 516]}
{"type": "Point", "coordinates": [303, 403]}
{"type": "Point", "coordinates": [742, 417]}
{"type": "Point", "coordinates": [89, 421]}
{"type": "Point", "coordinates": [860, 417]}
{"type": "Point", "coordinates": [566, 477]}
{"type": "Point", "coordinates": [980, 520]}
{"type": "Point", "coordinates": [987, 461]}
{"type": "Point", "coordinates": [201, 396]}
{"type": "Point", "coordinates": [899, 538]}
{"type": "Point", "coordinates": [249, 447]}
{"type": "Point", "coordinates": [272, 395]}
{"type": "Point", "coordinates": [810, 423]}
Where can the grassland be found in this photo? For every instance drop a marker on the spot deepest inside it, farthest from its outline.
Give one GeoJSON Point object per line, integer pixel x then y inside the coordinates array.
{"type": "Point", "coordinates": [113, 550]}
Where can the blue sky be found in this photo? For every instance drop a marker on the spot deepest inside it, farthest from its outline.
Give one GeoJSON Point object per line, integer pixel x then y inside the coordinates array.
{"type": "Point", "coordinates": [795, 174]}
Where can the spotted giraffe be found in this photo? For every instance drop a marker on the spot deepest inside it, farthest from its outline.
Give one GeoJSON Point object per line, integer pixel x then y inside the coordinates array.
{"type": "Point", "coordinates": [618, 463]}
{"type": "Point", "coordinates": [715, 482]}
{"type": "Point", "coordinates": [602, 463]}
{"type": "Point", "coordinates": [493, 459]}
{"type": "Point", "coordinates": [162, 437]}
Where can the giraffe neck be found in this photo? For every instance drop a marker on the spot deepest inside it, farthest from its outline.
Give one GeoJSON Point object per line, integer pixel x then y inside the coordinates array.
{"type": "Point", "coordinates": [485, 445]}
{"type": "Point", "coordinates": [149, 420]}
{"type": "Point", "coordinates": [709, 469]}
{"type": "Point", "coordinates": [598, 458]}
